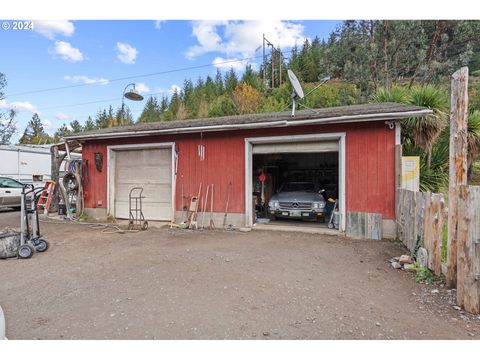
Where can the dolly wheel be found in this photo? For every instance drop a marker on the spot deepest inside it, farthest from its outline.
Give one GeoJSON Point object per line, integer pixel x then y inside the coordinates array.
{"type": "Point", "coordinates": [42, 245]}
{"type": "Point", "coordinates": [130, 224]}
{"type": "Point", "coordinates": [145, 225]}
{"type": "Point", "coordinates": [330, 225]}
{"type": "Point", "coordinates": [25, 252]}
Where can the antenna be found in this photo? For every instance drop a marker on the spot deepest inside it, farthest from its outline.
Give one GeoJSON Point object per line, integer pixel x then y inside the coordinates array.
{"type": "Point", "coordinates": [298, 91]}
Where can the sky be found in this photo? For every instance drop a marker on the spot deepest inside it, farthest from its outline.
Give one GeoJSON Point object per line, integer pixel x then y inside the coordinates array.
{"type": "Point", "coordinates": [109, 54]}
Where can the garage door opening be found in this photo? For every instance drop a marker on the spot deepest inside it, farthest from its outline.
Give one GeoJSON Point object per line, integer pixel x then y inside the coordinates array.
{"type": "Point", "coordinates": [298, 182]}
{"type": "Point", "coordinates": [296, 187]}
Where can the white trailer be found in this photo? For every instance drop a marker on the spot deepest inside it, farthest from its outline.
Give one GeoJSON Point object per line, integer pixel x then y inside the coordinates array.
{"type": "Point", "coordinates": [28, 163]}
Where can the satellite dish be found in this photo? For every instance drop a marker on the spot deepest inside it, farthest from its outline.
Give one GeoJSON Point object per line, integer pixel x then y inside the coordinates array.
{"type": "Point", "coordinates": [297, 88]}
{"type": "Point", "coordinates": [298, 91]}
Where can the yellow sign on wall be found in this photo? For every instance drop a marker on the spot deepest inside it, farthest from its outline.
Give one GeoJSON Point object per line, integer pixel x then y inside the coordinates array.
{"type": "Point", "coordinates": [411, 173]}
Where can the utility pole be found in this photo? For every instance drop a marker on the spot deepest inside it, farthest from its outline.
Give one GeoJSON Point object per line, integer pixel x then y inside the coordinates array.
{"type": "Point", "coordinates": [273, 67]}
{"type": "Point", "coordinates": [264, 63]}
{"type": "Point", "coordinates": [265, 41]}
{"type": "Point", "coordinates": [280, 55]}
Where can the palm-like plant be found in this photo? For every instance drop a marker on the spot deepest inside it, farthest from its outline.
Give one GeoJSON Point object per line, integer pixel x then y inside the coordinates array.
{"type": "Point", "coordinates": [426, 130]}
{"type": "Point", "coordinates": [473, 139]}
{"type": "Point", "coordinates": [395, 94]}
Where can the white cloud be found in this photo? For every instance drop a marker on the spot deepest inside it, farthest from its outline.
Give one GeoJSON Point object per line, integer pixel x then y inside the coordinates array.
{"type": "Point", "coordinates": [47, 125]}
{"type": "Point", "coordinates": [126, 53]}
{"type": "Point", "coordinates": [159, 23]}
{"type": "Point", "coordinates": [67, 52]}
{"type": "Point", "coordinates": [19, 106]}
{"type": "Point", "coordinates": [242, 38]}
{"type": "Point", "coordinates": [170, 91]}
{"type": "Point", "coordinates": [86, 80]}
{"type": "Point", "coordinates": [61, 116]}
{"type": "Point", "coordinates": [52, 28]}
{"type": "Point", "coordinates": [174, 88]}
{"type": "Point", "coordinates": [142, 88]}
{"type": "Point", "coordinates": [206, 32]}
{"type": "Point", "coordinates": [226, 64]}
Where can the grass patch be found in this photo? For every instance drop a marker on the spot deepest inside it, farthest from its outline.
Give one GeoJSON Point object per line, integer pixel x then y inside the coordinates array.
{"type": "Point", "coordinates": [86, 218]}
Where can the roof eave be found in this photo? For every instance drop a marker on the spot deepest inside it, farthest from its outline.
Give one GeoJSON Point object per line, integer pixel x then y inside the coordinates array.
{"type": "Point", "coordinates": [255, 125]}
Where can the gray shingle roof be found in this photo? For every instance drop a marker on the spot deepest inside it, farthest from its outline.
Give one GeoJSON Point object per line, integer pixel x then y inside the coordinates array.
{"type": "Point", "coordinates": [341, 114]}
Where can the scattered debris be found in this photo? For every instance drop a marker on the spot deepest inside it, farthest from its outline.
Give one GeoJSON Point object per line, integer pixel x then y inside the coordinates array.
{"type": "Point", "coordinates": [409, 267]}
{"type": "Point", "coordinates": [456, 307]}
{"type": "Point", "coordinates": [396, 265]}
{"type": "Point", "coordinates": [266, 333]}
{"type": "Point", "coordinates": [435, 291]}
{"type": "Point", "coordinates": [405, 259]}
{"type": "Point", "coordinates": [245, 229]}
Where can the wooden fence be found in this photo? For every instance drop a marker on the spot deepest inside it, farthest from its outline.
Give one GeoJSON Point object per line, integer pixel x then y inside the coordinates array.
{"type": "Point", "coordinates": [420, 219]}
{"type": "Point", "coordinates": [468, 248]}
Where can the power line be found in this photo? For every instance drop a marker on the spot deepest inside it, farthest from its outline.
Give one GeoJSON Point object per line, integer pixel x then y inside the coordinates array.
{"type": "Point", "coordinates": [93, 102]}
{"type": "Point", "coordinates": [135, 76]}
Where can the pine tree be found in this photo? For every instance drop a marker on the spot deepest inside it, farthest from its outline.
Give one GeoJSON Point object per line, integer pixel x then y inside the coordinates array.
{"type": "Point", "coordinates": [34, 132]}
{"type": "Point", "coordinates": [151, 111]}
{"type": "Point", "coordinates": [90, 124]}
{"type": "Point", "coordinates": [76, 126]}
{"type": "Point", "coordinates": [251, 78]}
{"type": "Point", "coordinates": [219, 86]}
{"type": "Point", "coordinates": [231, 81]}
{"type": "Point", "coordinates": [61, 132]}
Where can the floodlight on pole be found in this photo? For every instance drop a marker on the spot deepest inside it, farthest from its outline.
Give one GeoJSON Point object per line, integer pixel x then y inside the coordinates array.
{"type": "Point", "coordinates": [131, 94]}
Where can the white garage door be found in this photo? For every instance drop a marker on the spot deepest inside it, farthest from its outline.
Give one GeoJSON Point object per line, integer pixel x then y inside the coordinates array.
{"type": "Point", "coordinates": [150, 169]}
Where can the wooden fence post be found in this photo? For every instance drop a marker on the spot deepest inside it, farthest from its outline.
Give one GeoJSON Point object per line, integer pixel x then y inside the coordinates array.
{"type": "Point", "coordinates": [458, 164]}
{"type": "Point", "coordinates": [468, 246]}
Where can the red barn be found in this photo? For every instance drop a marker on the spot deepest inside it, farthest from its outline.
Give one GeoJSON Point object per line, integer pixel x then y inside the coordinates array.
{"type": "Point", "coordinates": [349, 150]}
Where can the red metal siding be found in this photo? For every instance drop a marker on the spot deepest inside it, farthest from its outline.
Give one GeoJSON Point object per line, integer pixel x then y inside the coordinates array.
{"type": "Point", "coordinates": [370, 165]}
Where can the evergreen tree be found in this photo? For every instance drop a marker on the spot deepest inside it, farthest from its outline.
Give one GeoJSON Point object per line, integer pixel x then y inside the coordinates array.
{"type": "Point", "coordinates": [61, 132]}
{"type": "Point", "coordinates": [90, 124]}
{"type": "Point", "coordinates": [151, 112]}
{"type": "Point", "coordinates": [76, 126]}
{"type": "Point", "coordinates": [34, 132]}
{"type": "Point", "coordinates": [219, 86]}
{"type": "Point", "coordinates": [251, 78]}
{"type": "Point", "coordinates": [231, 81]}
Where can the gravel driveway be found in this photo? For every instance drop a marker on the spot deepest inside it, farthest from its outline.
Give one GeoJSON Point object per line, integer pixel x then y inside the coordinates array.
{"type": "Point", "coordinates": [178, 284]}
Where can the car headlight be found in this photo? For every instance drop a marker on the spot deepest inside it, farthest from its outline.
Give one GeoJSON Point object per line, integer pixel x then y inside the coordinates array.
{"type": "Point", "coordinates": [318, 205]}
{"type": "Point", "coordinates": [273, 204]}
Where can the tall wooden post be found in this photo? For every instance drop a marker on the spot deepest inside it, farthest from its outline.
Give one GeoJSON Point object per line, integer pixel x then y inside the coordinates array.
{"type": "Point", "coordinates": [458, 164]}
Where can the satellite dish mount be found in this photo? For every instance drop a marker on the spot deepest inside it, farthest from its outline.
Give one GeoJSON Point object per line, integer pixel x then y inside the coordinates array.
{"type": "Point", "coordinates": [297, 92]}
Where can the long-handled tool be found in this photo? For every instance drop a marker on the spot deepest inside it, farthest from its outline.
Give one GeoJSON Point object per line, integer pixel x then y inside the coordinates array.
{"type": "Point", "coordinates": [204, 208]}
{"type": "Point", "coordinates": [229, 189]}
{"type": "Point", "coordinates": [211, 224]}
{"type": "Point", "coordinates": [192, 218]}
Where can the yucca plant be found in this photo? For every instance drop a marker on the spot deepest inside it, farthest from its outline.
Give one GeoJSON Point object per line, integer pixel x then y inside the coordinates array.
{"type": "Point", "coordinates": [473, 139]}
{"type": "Point", "coordinates": [426, 130]}
{"type": "Point", "coordinates": [396, 94]}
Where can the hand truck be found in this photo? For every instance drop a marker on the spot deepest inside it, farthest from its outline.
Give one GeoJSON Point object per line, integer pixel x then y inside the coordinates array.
{"type": "Point", "coordinates": [136, 217]}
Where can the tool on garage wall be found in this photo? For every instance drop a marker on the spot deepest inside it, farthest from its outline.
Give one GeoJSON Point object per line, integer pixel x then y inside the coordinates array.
{"type": "Point", "coordinates": [229, 189]}
{"type": "Point", "coordinates": [193, 210]}
{"type": "Point", "coordinates": [211, 224]}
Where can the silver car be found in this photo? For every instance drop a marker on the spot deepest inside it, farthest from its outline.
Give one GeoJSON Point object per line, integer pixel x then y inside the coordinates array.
{"type": "Point", "coordinates": [10, 192]}
{"type": "Point", "coordinates": [297, 200]}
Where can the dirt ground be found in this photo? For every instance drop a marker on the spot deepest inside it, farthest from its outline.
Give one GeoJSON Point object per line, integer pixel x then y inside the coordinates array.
{"type": "Point", "coordinates": [179, 284]}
